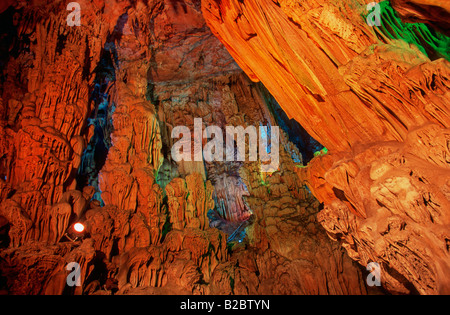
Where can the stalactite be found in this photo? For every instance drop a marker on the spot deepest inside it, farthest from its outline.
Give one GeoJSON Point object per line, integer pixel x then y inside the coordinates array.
{"type": "Point", "coordinates": [86, 120]}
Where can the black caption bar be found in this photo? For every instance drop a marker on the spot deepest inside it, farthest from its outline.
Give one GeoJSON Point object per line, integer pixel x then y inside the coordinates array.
{"type": "Point", "coordinates": [208, 304]}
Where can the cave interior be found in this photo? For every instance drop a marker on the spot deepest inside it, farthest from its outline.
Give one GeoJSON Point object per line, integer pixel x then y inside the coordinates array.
{"type": "Point", "coordinates": [339, 160]}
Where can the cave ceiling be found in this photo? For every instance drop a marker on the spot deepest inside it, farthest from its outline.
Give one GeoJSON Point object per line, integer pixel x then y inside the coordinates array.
{"type": "Point", "coordinates": [224, 147]}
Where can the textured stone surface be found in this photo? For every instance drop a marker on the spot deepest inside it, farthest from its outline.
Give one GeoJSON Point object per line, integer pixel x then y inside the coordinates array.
{"type": "Point", "coordinates": [433, 12]}
{"type": "Point", "coordinates": [85, 135]}
{"type": "Point", "coordinates": [377, 98]}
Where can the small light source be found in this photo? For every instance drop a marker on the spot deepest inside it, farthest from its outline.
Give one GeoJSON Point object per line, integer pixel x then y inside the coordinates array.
{"type": "Point", "coordinates": [78, 227]}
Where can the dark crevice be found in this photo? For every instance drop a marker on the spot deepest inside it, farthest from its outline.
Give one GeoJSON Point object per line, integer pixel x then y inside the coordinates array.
{"type": "Point", "coordinates": [94, 157]}
{"type": "Point", "coordinates": [306, 144]}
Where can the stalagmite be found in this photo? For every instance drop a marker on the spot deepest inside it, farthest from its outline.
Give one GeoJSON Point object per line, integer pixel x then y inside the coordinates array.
{"type": "Point", "coordinates": [95, 98]}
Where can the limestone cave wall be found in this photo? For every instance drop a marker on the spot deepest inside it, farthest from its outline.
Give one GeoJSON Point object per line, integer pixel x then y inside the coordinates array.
{"type": "Point", "coordinates": [86, 120]}
{"type": "Point", "coordinates": [377, 98]}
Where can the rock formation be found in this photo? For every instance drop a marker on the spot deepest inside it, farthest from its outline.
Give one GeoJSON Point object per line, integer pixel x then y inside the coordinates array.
{"type": "Point", "coordinates": [87, 115]}
{"type": "Point", "coordinates": [377, 98]}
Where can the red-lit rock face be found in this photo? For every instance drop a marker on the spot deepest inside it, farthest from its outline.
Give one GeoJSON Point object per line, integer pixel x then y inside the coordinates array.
{"type": "Point", "coordinates": [101, 100]}
{"type": "Point", "coordinates": [314, 61]}
{"type": "Point", "coordinates": [85, 136]}
{"type": "Point", "coordinates": [379, 106]}
{"type": "Point", "coordinates": [431, 12]}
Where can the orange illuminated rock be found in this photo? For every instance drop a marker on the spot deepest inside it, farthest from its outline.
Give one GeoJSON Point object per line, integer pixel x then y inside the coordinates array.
{"type": "Point", "coordinates": [378, 102]}
{"type": "Point", "coordinates": [86, 116]}
{"type": "Point", "coordinates": [314, 57]}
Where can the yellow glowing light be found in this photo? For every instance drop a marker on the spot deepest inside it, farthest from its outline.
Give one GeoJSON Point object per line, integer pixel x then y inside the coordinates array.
{"type": "Point", "coordinates": [78, 227]}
